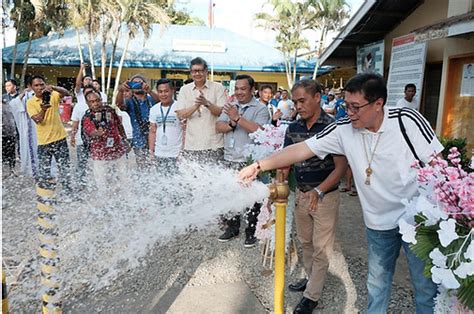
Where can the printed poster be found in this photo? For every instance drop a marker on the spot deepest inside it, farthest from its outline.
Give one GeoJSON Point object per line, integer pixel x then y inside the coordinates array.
{"type": "Point", "coordinates": [467, 82]}
{"type": "Point", "coordinates": [370, 57]}
{"type": "Point", "coordinates": [407, 65]}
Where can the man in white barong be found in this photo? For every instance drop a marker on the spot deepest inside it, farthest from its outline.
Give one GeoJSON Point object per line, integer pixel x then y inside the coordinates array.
{"type": "Point", "coordinates": [26, 131]}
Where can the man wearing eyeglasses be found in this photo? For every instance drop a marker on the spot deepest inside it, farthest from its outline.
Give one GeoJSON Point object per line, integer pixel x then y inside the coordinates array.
{"type": "Point", "coordinates": [200, 103]}
{"type": "Point", "coordinates": [380, 144]}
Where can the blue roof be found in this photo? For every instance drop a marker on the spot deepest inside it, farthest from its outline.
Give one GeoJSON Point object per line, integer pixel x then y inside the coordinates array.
{"type": "Point", "coordinates": [241, 53]}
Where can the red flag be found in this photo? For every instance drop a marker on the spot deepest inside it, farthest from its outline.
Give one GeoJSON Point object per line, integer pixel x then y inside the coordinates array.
{"type": "Point", "coordinates": [211, 13]}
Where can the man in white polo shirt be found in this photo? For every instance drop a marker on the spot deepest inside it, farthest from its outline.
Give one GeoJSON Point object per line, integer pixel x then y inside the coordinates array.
{"type": "Point", "coordinates": [380, 156]}
{"type": "Point", "coordinates": [409, 100]}
{"type": "Point", "coordinates": [200, 104]}
{"type": "Point", "coordinates": [166, 137]}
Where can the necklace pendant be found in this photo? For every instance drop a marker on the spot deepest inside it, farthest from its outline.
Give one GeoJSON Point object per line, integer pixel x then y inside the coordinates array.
{"type": "Point", "coordinates": [368, 172]}
{"type": "Point", "coordinates": [367, 180]}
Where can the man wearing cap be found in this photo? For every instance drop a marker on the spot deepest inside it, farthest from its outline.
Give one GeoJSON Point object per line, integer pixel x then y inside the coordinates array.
{"type": "Point", "coordinates": [329, 107]}
{"type": "Point", "coordinates": [138, 108]}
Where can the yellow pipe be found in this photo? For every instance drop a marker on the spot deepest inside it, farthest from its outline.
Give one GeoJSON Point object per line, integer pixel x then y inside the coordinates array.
{"type": "Point", "coordinates": [279, 192]}
{"type": "Point", "coordinates": [280, 258]}
{"type": "Point", "coordinates": [48, 236]}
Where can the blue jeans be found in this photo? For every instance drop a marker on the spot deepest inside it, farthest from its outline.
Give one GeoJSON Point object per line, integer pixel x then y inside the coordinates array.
{"type": "Point", "coordinates": [384, 249]}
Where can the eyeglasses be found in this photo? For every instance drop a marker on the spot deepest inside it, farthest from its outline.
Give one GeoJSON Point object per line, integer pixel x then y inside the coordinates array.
{"type": "Point", "coordinates": [198, 71]}
{"type": "Point", "coordinates": [92, 101]}
{"type": "Point", "coordinates": [355, 109]}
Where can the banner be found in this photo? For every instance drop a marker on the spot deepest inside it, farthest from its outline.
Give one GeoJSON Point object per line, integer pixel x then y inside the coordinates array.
{"type": "Point", "coordinates": [407, 65]}
{"type": "Point", "coordinates": [370, 58]}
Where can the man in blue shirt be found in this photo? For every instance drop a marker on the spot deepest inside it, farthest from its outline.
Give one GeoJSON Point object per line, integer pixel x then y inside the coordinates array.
{"type": "Point", "coordinates": [138, 107]}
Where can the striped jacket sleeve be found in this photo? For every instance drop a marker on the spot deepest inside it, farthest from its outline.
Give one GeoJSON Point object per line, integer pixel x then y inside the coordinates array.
{"type": "Point", "coordinates": [420, 133]}
{"type": "Point", "coordinates": [328, 141]}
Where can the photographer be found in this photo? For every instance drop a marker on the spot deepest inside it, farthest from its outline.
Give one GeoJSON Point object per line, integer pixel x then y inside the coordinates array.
{"type": "Point", "coordinates": [104, 132]}
{"type": "Point", "coordinates": [43, 108]}
{"type": "Point", "coordinates": [138, 107]}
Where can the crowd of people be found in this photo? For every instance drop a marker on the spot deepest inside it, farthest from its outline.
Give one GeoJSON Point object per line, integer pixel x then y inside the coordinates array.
{"type": "Point", "coordinates": [329, 133]}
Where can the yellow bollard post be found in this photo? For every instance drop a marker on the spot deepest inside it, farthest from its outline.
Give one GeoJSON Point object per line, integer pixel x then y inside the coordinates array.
{"type": "Point", "coordinates": [4, 293]}
{"type": "Point", "coordinates": [48, 252]}
{"type": "Point", "coordinates": [279, 192]}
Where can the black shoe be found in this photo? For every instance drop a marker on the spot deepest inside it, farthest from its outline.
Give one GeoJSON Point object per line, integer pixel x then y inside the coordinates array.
{"type": "Point", "coordinates": [306, 306]}
{"type": "Point", "coordinates": [250, 241]}
{"type": "Point", "coordinates": [298, 286]}
{"type": "Point", "coordinates": [229, 234]}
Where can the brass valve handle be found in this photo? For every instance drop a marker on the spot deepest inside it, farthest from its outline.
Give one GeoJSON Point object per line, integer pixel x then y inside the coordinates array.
{"type": "Point", "coordinates": [279, 190]}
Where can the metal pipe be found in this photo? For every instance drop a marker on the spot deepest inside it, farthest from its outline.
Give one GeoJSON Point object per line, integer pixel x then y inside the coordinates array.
{"type": "Point", "coordinates": [49, 259]}
{"type": "Point", "coordinates": [279, 192]}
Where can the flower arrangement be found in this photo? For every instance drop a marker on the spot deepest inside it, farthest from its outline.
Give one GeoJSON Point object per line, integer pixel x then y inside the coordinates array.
{"type": "Point", "coordinates": [439, 225]}
{"type": "Point", "coordinates": [265, 141]}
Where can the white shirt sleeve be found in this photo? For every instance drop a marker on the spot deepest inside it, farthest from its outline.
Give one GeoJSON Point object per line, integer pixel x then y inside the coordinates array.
{"type": "Point", "coordinates": [153, 114]}
{"type": "Point", "coordinates": [326, 142]}
{"type": "Point", "coordinates": [421, 135]}
{"type": "Point", "coordinates": [75, 113]}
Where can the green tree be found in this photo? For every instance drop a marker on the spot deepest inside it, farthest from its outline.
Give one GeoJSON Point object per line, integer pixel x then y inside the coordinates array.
{"type": "Point", "coordinates": [182, 17]}
{"type": "Point", "coordinates": [36, 18]}
{"type": "Point", "coordinates": [289, 21]}
{"type": "Point", "coordinates": [331, 16]}
{"type": "Point", "coordinates": [139, 15]}
{"type": "Point", "coordinates": [90, 15]}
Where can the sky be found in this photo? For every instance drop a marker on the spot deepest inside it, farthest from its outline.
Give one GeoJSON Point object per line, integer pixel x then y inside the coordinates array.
{"type": "Point", "coordinates": [236, 16]}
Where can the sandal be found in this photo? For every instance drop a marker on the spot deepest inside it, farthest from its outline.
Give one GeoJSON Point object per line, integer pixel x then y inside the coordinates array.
{"type": "Point", "coordinates": [343, 189]}
{"type": "Point", "coordinates": [352, 193]}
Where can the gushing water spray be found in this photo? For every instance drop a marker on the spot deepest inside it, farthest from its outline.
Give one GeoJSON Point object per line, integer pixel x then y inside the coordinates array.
{"type": "Point", "coordinates": [104, 236]}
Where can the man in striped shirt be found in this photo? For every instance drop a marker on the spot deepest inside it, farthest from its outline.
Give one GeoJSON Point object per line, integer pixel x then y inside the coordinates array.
{"type": "Point", "coordinates": [315, 179]}
{"type": "Point", "coordinates": [379, 144]}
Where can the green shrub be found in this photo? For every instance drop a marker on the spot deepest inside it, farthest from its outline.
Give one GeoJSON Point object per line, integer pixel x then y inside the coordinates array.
{"type": "Point", "coordinates": [460, 144]}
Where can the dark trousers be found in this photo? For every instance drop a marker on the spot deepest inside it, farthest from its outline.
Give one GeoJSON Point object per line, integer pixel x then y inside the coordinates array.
{"type": "Point", "coordinates": [251, 215]}
{"type": "Point", "coordinates": [60, 151]}
{"type": "Point", "coordinates": [8, 150]}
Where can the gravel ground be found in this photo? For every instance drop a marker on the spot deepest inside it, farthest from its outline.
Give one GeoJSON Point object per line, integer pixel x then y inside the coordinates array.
{"type": "Point", "coordinates": [191, 259]}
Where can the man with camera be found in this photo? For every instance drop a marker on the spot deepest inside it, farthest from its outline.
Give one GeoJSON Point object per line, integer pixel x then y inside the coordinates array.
{"type": "Point", "coordinates": [43, 108]}
{"type": "Point", "coordinates": [104, 132]}
{"type": "Point", "coordinates": [83, 83]}
{"type": "Point", "coordinates": [138, 107]}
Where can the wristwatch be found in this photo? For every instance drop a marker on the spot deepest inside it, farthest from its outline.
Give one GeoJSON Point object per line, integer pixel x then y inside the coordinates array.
{"type": "Point", "coordinates": [320, 194]}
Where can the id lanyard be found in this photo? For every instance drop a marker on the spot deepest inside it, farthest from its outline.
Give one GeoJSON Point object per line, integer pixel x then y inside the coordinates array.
{"type": "Point", "coordinates": [164, 139]}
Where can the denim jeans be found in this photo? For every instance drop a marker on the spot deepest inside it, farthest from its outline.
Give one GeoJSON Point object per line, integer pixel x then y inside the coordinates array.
{"type": "Point", "coordinates": [60, 151]}
{"type": "Point", "coordinates": [82, 167]}
{"type": "Point", "coordinates": [384, 249]}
